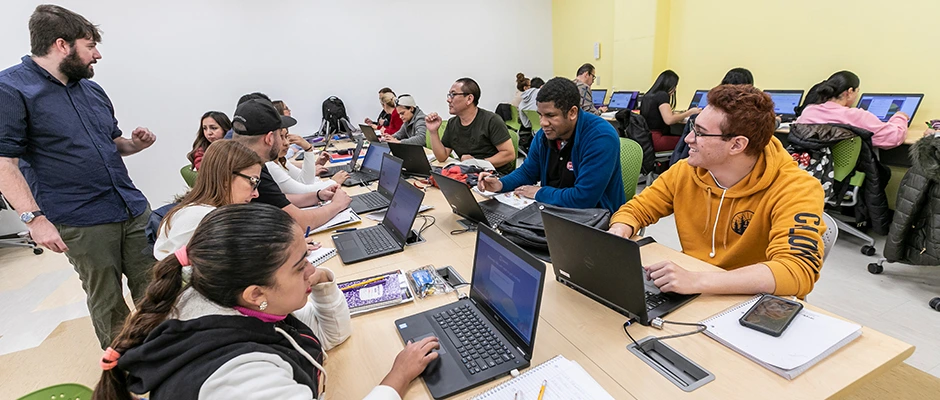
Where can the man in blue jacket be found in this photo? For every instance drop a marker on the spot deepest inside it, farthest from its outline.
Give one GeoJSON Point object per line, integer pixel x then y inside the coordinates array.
{"type": "Point", "coordinates": [576, 156]}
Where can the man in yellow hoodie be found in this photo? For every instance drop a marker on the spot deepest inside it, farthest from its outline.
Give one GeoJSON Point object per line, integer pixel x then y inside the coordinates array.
{"type": "Point", "coordinates": [740, 203]}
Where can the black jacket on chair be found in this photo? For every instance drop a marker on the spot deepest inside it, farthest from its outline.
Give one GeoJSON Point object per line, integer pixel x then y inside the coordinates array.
{"type": "Point", "coordinates": [872, 207]}
{"type": "Point", "coordinates": [915, 230]}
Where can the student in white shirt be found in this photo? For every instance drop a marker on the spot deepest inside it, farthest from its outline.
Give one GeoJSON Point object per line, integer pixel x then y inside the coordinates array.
{"type": "Point", "coordinates": [254, 322]}
{"type": "Point", "coordinates": [295, 180]}
{"type": "Point", "coordinates": [230, 173]}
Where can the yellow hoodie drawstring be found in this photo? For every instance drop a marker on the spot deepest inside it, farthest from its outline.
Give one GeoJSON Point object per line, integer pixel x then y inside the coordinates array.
{"type": "Point", "coordinates": [708, 208]}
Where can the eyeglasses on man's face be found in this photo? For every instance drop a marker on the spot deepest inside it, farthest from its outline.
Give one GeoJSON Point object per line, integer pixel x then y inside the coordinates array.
{"type": "Point", "coordinates": [451, 95]}
{"type": "Point", "coordinates": [696, 134]}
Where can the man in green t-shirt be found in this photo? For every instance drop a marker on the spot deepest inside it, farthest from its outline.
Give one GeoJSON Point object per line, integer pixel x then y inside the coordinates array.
{"type": "Point", "coordinates": [473, 132]}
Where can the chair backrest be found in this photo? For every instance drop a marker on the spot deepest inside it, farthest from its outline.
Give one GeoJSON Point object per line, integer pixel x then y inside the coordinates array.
{"type": "Point", "coordinates": [631, 160]}
{"type": "Point", "coordinates": [68, 391]}
{"type": "Point", "coordinates": [534, 119]}
{"type": "Point", "coordinates": [515, 141]}
{"type": "Point", "coordinates": [830, 235]}
{"type": "Point", "coordinates": [845, 156]}
{"type": "Point", "coordinates": [189, 175]}
{"type": "Point", "coordinates": [513, 123]}
{"type": "Point", "coordinates": [440, 134]}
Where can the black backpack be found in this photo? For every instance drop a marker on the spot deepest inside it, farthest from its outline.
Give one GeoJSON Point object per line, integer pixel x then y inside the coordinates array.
{"type": "Point", "coordinates": [633, 126]}
{"type": "Point", "coordinates": [335, 119]}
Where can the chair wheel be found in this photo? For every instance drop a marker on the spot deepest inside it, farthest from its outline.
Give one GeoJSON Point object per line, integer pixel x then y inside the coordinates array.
{"type": "Point", "coordinates": [876, 269]}
{"type": "Point", "coordinates": [37, 250]}
{"type": "Point", "coordinates": [935, 303]}
{"type": "Point", "coordinates": [868, 250]}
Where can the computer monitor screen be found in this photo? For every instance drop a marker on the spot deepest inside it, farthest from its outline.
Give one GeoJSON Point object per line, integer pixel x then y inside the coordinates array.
{"type": "Point", "coordinates": [373, 158]}
{"type": "Point", "coordinates": [622, 100]}
{"type": "Point", "coordinates": [598, 95]}
{"type": "Point", "coordinates": [884, 106]}
{"type": "Point", "coordinates": [700, 99]}
{"type": "Point", "coordinates": [507, 284]}
{"type": "Point", "coordinates": [785, 101]}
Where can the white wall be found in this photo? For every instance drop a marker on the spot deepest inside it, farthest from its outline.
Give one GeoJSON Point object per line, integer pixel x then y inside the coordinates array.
{"type": "Point", "coordinates": [165, 63]}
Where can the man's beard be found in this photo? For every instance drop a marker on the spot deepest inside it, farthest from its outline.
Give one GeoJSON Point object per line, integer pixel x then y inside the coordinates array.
{"type": "Point", "coordinates": [74, 69]}
{"type": "Point", "coordinates": [274, 153]}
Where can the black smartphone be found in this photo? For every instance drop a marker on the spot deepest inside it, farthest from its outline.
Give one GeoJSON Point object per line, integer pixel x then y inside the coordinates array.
{"type": "Point", "coordinates": [771, 315]}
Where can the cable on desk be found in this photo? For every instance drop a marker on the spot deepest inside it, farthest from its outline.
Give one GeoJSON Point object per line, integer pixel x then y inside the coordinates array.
{"type": "Point", "coordinates": [659, 322]}
{"type": "Point", "coordinates": [429, 221]}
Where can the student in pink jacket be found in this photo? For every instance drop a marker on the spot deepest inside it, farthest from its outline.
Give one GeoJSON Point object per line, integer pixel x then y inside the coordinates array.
{"type": "Point", "coordinates": [831, 101]}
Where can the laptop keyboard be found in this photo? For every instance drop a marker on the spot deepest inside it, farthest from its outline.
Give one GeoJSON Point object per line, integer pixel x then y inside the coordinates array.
{"type": "Point", "coordinates": [364, 176]}
{"type": "Point", "coordinates": [373, 199]}
{"type": "Point", "coordinates": [654, 300]}
{"type": "Point", "coordinates": [479, 348]}
{"type": "Point", "coordinates": [493, 218]}
{"type": "Point", "coordinates": [336, 168]}
{"type": "Point", "coordinates": [376, 240]}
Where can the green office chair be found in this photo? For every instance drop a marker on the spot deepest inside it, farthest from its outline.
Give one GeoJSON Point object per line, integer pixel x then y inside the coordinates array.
{"type": "Point", "coordinates": [514, 124]}
{"type": "Point", "coordinates": [515, 145]}
{"type": "Point", "coordinates": [64, 391]}
{"type": "Point", "coordinates": [631, 160]}
{"type": "Point", "coordinates": [534, 120]}
{"type": "Point", "coordinates": [844, 157]}
{"type": "Point", "coordinates": [189, 175]}
{"type": "Point", "coordinates": [440, 134]}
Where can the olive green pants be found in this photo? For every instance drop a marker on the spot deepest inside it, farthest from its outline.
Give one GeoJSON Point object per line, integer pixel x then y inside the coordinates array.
{"type": "Point", "coordinates": [101, 254]}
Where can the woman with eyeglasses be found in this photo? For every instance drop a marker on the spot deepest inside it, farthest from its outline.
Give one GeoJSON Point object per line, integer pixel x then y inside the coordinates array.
{"type": "Point", "coordinates": [254, 321]}
{"type": "Point", "coordinates": [230, 174]}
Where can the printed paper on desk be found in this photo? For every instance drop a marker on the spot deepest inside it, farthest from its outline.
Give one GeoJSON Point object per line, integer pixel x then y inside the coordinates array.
{"type": "Point", "coordinates": [514, 200]}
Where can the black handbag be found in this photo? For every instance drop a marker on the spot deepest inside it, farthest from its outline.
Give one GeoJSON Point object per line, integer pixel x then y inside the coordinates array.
{"type": "Point", "coordinates": [525, 227]}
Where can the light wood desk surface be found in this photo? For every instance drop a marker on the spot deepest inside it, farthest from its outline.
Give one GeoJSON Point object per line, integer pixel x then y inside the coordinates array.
{"type": "Point", "coordinates": [583, 330]}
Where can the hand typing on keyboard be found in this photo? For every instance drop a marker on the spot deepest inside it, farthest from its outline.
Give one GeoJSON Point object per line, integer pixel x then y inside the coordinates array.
{"type": "Point", "coordinates": [670, 277]}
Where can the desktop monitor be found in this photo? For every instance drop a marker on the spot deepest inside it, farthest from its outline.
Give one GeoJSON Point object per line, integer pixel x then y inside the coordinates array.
{"type": "Point", "coordinates": [623, 100]}
{"type": "Point", "coordinates": [598, 95]}
{"type": "Point", "coordinates": [700, 99]}
{"type": "Point", "coordinates": [884, 106]}
{"type": "Point", "coordinates": [785, 101]}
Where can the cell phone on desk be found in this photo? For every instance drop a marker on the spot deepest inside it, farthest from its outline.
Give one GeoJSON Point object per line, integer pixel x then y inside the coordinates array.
{"type": "Point", "coordinates": [771, 315]}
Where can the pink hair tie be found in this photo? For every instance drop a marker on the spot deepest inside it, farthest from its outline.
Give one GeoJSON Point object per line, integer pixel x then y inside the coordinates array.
{"type": "Point", "coordinates": [182, 256]}
{"type": "Point", "coordinates": [110, 358]}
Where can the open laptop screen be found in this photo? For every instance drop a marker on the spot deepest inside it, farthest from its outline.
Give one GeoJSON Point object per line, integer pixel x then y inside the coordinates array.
{"type": "Point", "coordinates": [700, 99]}
{"type": "Point", "coordinates": [884, 106]}
{"type": "Point", "coordinates": [507, 284]}
{"type": "Point", "coordinates": [403, 208]}
{"type": "Point", "coordinates": [373, 158]}
{"type": "Point", "coordinates": [622, 100]}
{"type": "Point", "coordinates": [389, 174]}
{"type": "Point", "coordinates": [598, 95]}
{"type": "Point", "coordinates": [785, 101]}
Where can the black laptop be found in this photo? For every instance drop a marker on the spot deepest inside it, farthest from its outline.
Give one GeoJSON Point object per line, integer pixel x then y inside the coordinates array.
{"type": "Point", "coordinates": [368, 172]}
{"type": "Point", "coordinates": [387, 237]}
{"type": "Point", "coordinates": [462, 202]}
{"type": "Point", "coordinates": [369, 133]}
{"type": "Point", "coordinates": [492, 332]}
{"type": "Point", "coordinates": [785, 103]}
{"type": "Point", "coordinates": [348, 167]}
{"type": "Point", "coordinates": [606, 268]}
{"type": "Point", "coordinates": [416, 160]}
{"type": "Point", "coordinates": [388, 181]}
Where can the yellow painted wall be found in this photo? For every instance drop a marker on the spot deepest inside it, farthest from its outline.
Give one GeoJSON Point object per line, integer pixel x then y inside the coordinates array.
{"type": "Point", "coordinates": [793, 44]}
{"type": "Point", "coordinates": [786, 44]}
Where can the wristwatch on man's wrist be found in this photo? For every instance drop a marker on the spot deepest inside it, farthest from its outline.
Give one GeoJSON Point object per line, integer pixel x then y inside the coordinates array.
{"type": "Point", "coordinates": [29, 216]}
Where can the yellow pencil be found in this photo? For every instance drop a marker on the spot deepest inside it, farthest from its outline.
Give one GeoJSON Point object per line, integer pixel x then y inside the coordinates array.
{"type": "Point", "coordinates": [542, 392]}
{"type": "Point", "coordinates": [363, 283]}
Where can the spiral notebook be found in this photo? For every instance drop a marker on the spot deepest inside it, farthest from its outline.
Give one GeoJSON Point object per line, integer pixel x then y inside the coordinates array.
{"type": "Point", "coordinates": [319, 256]}
{"type": "Point", "coordinates": [387, 290]}
{"type": "Point", "coordinates": [565, 379]}
{"type": "Point", "coordinates": [810, 338]}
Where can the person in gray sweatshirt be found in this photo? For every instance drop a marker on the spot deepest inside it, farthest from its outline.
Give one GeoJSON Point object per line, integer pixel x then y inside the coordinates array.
{"type": "Point", "coordinates": [528, 101]}
{"type": "Point", "coordinates": [414, 129]}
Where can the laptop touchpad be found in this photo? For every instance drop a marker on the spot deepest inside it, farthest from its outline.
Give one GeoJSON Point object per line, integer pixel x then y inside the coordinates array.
{"type": "Point", "coordinates": [417, 339]}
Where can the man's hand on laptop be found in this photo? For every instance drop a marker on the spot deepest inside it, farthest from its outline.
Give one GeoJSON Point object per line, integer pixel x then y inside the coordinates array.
{"type": "Point", "coordinates": [670, 277]}
{"type": "Point", "coordinates": [489, 183]}
{"type": "Point", "coordinates": [622, 230]}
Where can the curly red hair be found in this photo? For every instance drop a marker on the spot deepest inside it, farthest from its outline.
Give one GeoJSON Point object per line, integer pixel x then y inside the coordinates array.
{"type": "Point", "coordinates": [749, 112]}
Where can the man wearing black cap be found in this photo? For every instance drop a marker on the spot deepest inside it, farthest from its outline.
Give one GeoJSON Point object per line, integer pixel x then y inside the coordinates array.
{"type": "Point", "coordinates": [258, 125]}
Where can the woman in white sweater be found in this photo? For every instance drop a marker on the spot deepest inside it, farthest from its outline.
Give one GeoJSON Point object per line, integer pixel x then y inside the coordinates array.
{"type": "Point", "coordinates": [254, 322]}
{"type": "Point", "coordinates": [294, 180]}
{"type": "Point", "coordinates": [230, 173]}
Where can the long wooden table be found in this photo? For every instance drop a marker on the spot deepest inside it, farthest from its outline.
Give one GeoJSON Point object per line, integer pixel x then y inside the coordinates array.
{"type": "Point", "coordinates": [585, 331]}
